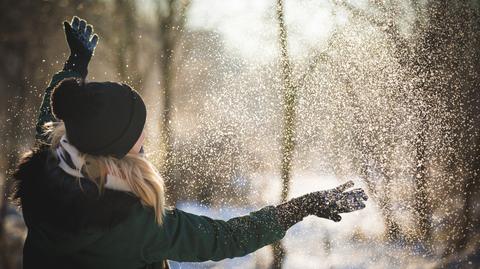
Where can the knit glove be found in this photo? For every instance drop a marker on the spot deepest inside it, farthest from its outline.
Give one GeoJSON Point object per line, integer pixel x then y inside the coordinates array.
{"type": "Point", "coordinates": [324, 204]}
{"type": "Point", "coordinates": [82, 44]}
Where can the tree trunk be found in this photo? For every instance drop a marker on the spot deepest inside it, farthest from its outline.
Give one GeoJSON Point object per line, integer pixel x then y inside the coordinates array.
{"type": "Point", "coordinates": [171, 22]}
{"type": "Point", "coordinates": [289, 102]}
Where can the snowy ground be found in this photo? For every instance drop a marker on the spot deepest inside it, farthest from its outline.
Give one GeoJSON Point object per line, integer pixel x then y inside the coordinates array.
{"type": "Point", "coordinates": [355, 242]}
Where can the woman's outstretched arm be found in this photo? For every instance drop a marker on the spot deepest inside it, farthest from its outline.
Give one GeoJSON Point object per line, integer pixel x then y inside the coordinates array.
{"type": "Point", "coordinates": [188, 237]}
{"type": "Point", "coordinates": [82, 44]}
{"type": "Point", "coordinates": [194, 238]}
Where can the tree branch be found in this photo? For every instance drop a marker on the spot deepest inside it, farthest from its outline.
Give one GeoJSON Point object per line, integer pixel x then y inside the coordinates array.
{"type": "Point", "coordinates": [389, 27]}
{"type": "Point", "coordinates": [315, 61]}
{"type": "Point", "coordinates": [361, 14]}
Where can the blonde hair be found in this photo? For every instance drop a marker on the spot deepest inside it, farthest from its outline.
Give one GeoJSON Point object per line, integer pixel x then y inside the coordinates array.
{"type": "Point", "coordinates": [140, 175]}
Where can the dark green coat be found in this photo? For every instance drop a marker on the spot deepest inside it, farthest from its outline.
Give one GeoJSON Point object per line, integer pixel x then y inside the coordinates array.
{"type": "Point", "coordinates": [73, 227]}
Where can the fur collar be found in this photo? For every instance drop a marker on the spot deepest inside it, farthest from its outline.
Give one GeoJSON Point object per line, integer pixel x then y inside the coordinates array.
{"type": "Point", "coordinates": [47, 194]}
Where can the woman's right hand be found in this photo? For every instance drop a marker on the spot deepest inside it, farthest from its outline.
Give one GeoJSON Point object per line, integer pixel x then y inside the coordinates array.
{"type": "Point", "coordinates": [325, 204]}
{"type": "Point", "coordinates": [82, 45]}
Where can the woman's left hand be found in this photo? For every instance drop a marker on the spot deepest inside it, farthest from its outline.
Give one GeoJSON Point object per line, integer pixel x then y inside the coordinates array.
{"type": "Point", "coordinates": [82, 43]}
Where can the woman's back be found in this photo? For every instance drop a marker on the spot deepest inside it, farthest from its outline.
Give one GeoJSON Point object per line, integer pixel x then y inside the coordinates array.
{"type": "Point", "coordinates": [69, 223]}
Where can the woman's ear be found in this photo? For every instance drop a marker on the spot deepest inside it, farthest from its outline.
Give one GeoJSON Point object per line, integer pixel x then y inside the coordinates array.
{"type": "Point", "coordinates": [137, 148]}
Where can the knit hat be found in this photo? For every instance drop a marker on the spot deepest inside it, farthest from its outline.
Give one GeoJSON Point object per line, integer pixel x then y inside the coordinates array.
{"type": "Point", "coordinates": [101, 118]}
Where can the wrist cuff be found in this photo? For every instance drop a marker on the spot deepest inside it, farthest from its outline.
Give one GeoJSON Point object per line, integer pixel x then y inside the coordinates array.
{"type": "Point", "coordinates": [77, 64]}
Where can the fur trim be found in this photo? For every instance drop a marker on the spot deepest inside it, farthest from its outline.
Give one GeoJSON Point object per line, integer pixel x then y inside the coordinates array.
{"type": "Point", "coordinates": [47, 194]}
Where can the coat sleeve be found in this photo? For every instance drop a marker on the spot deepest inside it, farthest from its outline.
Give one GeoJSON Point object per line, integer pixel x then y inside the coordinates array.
{"type": "Point", "coordinates": [45, 113]}
{"type": "Point", "coordinates": [188, 237]}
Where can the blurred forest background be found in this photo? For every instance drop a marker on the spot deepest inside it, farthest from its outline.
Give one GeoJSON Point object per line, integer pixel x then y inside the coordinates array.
{"type": "Point", "coordinates": [253, 102]}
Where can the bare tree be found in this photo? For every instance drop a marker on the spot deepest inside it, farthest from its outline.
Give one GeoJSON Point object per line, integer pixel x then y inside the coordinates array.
{"type": "Point", "coordinates": [406, 55]}
{"type": "Point", "coordinates": [290, 88]}
{"type": "Point", "coordinates": [133, 63]}
{"type": "Point", "coordinates": [432, 54]}
{"type": "Point", "coordinates": [125, 44]}
{"type": "Point", "coordinates": [171, 22]}
{"type": "Point", "coordinates": [289, 102]}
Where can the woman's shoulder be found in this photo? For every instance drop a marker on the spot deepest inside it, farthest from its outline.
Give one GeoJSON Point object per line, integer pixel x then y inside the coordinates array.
{"type": "Point", "coordinates": [47, 194]}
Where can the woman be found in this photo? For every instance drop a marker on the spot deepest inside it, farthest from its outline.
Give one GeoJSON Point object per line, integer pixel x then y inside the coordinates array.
{"type": "Point", "coordinates": [91, 200]}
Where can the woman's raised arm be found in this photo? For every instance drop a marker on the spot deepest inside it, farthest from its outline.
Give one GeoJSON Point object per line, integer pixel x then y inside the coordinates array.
{"type": "Point", "coordinates": [82, 45]}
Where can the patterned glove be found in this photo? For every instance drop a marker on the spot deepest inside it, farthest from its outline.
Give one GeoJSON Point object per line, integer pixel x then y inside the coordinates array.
{"type": "Point", "coordinates": [81, 43]}
{"type": "Point", "coordinates": [325, 204]}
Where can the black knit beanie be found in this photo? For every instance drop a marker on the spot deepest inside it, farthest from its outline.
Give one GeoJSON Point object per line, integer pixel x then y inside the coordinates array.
{"type": "Point", "coordinates": [101, 118]}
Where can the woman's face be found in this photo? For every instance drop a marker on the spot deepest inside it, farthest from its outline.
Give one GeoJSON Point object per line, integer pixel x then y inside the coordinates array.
{"type": "Point", "coordinates": [136, 148]}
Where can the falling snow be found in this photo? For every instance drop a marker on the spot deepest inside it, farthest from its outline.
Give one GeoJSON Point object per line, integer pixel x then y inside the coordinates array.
{"type": "Point", "coordinates": [386, 95]}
